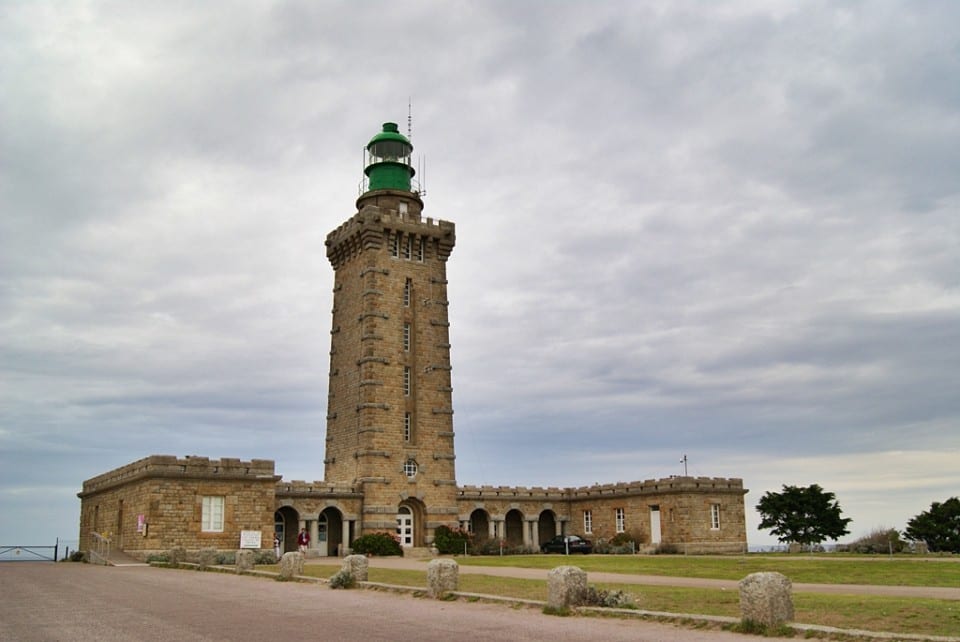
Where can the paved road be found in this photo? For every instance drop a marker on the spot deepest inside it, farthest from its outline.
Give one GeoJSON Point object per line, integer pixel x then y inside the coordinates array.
{"type": "Point", "coordinates": [81, 602]}
{"type": "Point", "coordinates": [937, 592]}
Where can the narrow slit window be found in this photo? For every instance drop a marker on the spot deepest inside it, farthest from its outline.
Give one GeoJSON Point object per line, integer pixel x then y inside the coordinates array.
{"type": "Point", "coordinates": [406, 427]}
{"type": "Point", "coordinates": [406, 380]}
{"type": "Point", "coordinates": [406, 337]}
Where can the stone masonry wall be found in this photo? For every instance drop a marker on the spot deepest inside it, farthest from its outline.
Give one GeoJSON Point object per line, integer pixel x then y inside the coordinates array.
{"type": "Point", "coordinates": [169, 493]}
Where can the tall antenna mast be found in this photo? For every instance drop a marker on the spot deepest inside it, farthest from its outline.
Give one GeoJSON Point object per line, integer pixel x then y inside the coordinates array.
{"type": "Point", "coordinates": [409, 118]}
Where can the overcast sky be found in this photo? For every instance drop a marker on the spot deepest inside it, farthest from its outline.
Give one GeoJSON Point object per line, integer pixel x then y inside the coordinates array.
{"type": "Point", "coordinates": [730, 231]}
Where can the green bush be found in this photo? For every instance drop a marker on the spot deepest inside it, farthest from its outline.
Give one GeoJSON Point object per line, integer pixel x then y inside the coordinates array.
{"type": "Point", "coordinates": [77, 556]}
{"type": "Point", "coordinates": [880, 540]}
{"type": "Point", "coordinates": [342, 579]}
{"type": "Point", "coordinates": [451, 542]}
{"type": "Point", "coordinates": [265, 556]}
{"type": "Point", "coordinates": [381, 544]}
{"type": "Point", "coordinates": [608, 599]}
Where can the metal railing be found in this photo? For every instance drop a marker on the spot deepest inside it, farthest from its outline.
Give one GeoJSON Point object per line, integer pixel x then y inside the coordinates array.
{"type": "Point", "coordinates": [99, 552]}
{"type": "Point", "coordinates": [21, 553]}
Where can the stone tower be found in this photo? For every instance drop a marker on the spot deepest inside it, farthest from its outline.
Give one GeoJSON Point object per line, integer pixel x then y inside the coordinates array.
{"type": "Point", "coordinates": [390, 412]}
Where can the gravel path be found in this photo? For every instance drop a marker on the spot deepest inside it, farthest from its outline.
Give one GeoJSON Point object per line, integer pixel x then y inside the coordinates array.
{"type": "Point", "coordinates": [81, 603]}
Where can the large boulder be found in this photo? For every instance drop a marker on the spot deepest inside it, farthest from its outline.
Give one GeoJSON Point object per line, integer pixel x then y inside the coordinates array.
{"type": "Point", "coordinates": [291, 565]}
{"type": "Point", "coordinates": [566, 586]}
{"type": "Point", "coordinates": [246, 558]}
{"type": "Point", "coordinates": [765, 598]}
{"type": "Point", "coordinates": [443, 576]}
{"type": "Point", "coordinates": [357, 566]}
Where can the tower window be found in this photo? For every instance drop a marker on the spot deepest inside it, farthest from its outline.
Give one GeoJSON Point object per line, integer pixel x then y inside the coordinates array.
{"type": "Point", "coordinates": [406, 337]}
{"type": "Point", "coordinates": [621, 520]}
{"type": "Point", "coordinates": [395, 244]}
{"type": "Point", "coordinates": [407, 247]}
{"type": "Point", "coordinates": [715, 517]}
{"type": "Point", "coordinates": [588, 521]}
{"type": "Point", "coordinates": [410, 468]}
{"type": "Point", "coordinates": [406, 427]}
{"type": "Point", "coordinates": [407, 287]}
{"type": "Point", "coordinates": [418, 249]}
{"type": "Point", "coordinates": [406, 380]}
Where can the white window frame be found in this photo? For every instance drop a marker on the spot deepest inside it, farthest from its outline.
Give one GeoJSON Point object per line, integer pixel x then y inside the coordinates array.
{"type": "Point", "coordinates": [621, 520]}
{"type": "Point", "coordinates": [395, 245]}
{"type": "Point", "coordinates": [407, 246]}
{"type": "Point", "coordinates": [406, 381]}
{"type": "Point", "coordinates": [406, 427]}
{"type": "Point", "coordinates": [422, 252]}
{"type": "Point", "coordinates": [407, 287]}
{"type": "Point", "coordinates": [410, 468]}
{"type": "Point", "coordinates": [406, 337]}
{"type": "Point", "coordinates": [714, 517]}
{"type": "Point", "coordinates": [211, 514]}
{"type": "Point", "coordinates": [588, 522]}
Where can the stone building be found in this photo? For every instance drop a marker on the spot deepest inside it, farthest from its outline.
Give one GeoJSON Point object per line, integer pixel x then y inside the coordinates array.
{"type": "Point", "coordinates": [389, 463]}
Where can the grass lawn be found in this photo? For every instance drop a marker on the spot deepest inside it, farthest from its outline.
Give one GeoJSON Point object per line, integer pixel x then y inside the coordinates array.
{"type": "Point", "coordinates": [871, 613]}
{"type": "Point", "coordinates": [832, 569]}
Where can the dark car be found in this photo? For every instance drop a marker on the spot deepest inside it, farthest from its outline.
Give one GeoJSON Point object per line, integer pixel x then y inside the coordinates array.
{"type": "Point", "coordinates": [565, 543]}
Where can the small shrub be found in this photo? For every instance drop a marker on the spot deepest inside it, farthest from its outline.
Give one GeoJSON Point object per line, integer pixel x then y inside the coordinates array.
{"type": "Point", "coordinates": [226, 558]}
{"type": "Point", "coordinates": [666, 549]}
{"type": "Point", "coordinates": [342, 580]}
{"type": "Point", "coordinates": [561, 611]}
{"type": "Point", "coordinates": [879, 540]}
{"type": "Point", "coordinates": [452, 541]}
{"type": "Point", "coordinates": [161, 558]}
{"type": "Point", "coordinates": [265, 557]}
{"type": "Point", "coordinates": [382, 544]}
{"type": "Point", "coordinates": [608, 599]}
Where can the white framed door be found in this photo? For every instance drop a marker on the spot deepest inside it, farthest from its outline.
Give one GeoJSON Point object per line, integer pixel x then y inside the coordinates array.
{"type": "Point", "coordinates": [405, 526]}
{"type": "Point", "coordinates": [654, 524]}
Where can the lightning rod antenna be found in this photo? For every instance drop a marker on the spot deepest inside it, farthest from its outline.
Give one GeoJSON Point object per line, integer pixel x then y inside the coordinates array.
{"type": "Point", "coordinates": [409, 118]}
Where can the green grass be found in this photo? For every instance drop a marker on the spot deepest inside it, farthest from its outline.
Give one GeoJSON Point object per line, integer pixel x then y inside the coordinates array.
{"type": "Point", "coordinates": [895, 571]}
{"type": "Point", "coordinates": [872, 613]}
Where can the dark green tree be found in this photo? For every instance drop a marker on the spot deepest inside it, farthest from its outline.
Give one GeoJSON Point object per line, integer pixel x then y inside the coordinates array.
{"type": "Point", "coordinates": [939, 527]}
{"type": "Point", "coordinates": [803, 515]}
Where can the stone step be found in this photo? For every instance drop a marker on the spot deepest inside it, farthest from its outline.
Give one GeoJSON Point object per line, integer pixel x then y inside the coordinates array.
{"type": "Point", "coordinates": [418, 552]}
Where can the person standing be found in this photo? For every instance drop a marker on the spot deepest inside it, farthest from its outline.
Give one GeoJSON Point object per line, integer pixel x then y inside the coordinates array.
{"type": "Point", "coordinates": [303, 539]}
{"type": "Point", "coordinates": [276, 544]}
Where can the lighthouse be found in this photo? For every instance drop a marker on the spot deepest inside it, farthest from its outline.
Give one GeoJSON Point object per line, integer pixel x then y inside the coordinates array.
{"type": "Point", "coordinates": [390, 397]}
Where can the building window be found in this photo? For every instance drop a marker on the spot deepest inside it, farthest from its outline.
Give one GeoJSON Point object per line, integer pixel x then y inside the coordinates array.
{"type": "Point", "coordinates": [406, 337]}
{"type": "Point", "coordinates": [395, 244]}
{"type": "Point", "coordinates": [407, 246]}
{"type": "Point", "coordinates": [587, 522]}
{"type": "Point", "coordinates": [418, 250]}
{"type": "Point", "coordinates": [407, 287]}
{"type": "Point", "coordinates": [620, 521]}
{"type": "Point", "coordinates": [406, 380]}
{"type": "Point", "coordinates": [212, 515]}
{"type": "Point", "coordinates": [410, 468]}
{"type": "Point", "coordinates": [715, 517]}
{"type": "Point", "coordinates": [406, 427]}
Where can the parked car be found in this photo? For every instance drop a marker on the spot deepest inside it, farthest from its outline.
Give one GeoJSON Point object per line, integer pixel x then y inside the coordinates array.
{"type": "Point", "coordinates": [563, 543]}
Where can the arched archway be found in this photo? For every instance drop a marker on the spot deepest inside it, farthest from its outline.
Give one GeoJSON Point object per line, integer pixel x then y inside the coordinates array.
{"type": "Point", "coordinates": [546, 526]}
{"type": "Point", "coordinates": [286, 524]}
{"type": "Point", "coordinates": [330, 531]}
{"type": "Point", "coordinates": [513, 525]}
{"type": "Point", "coordinates": [480, 525]}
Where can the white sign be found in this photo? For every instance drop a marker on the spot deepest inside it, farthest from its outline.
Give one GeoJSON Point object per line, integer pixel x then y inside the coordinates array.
{"type": "Point", "coordinates": [250, 539]}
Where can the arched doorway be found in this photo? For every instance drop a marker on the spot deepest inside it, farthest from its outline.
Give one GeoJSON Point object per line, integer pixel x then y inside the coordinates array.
{"type": "Point", "coordinates": [329, 532]}
{"type": "Point", "coordinates": [410, 523]}
{"type": "Point", "coordinates": [286, 524]}
{"type": "Point", "coordinates": [546, 526]}
{"type": "Point", "coordinates": [480, 525]}
{"type": "Point", "coordinates": [513, 525]}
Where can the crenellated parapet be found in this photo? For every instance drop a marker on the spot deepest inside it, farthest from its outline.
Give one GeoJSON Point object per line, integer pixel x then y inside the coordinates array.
{"type": "Point", "coordinates": [322, 489]}
{"type": "Point", "coordinates": [371, 227]}
{"type": "Point", "coordinates": [172, 467]}
{"type": "Point", "coordinates": [667, 485]}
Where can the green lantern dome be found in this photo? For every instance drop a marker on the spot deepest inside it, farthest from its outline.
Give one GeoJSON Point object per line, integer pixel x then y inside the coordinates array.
{"type": "Point", "coordinates": [388, 160]}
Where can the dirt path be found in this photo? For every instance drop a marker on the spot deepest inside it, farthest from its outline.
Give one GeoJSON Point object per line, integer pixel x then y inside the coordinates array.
{"type": "Point", "coordinates": [937, 592]}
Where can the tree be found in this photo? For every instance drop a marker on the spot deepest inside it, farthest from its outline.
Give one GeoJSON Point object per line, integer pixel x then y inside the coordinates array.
{"type": "Point", "coordinates": [802, 515]}
{"type": "Point", "coordinates": [939, 527]}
